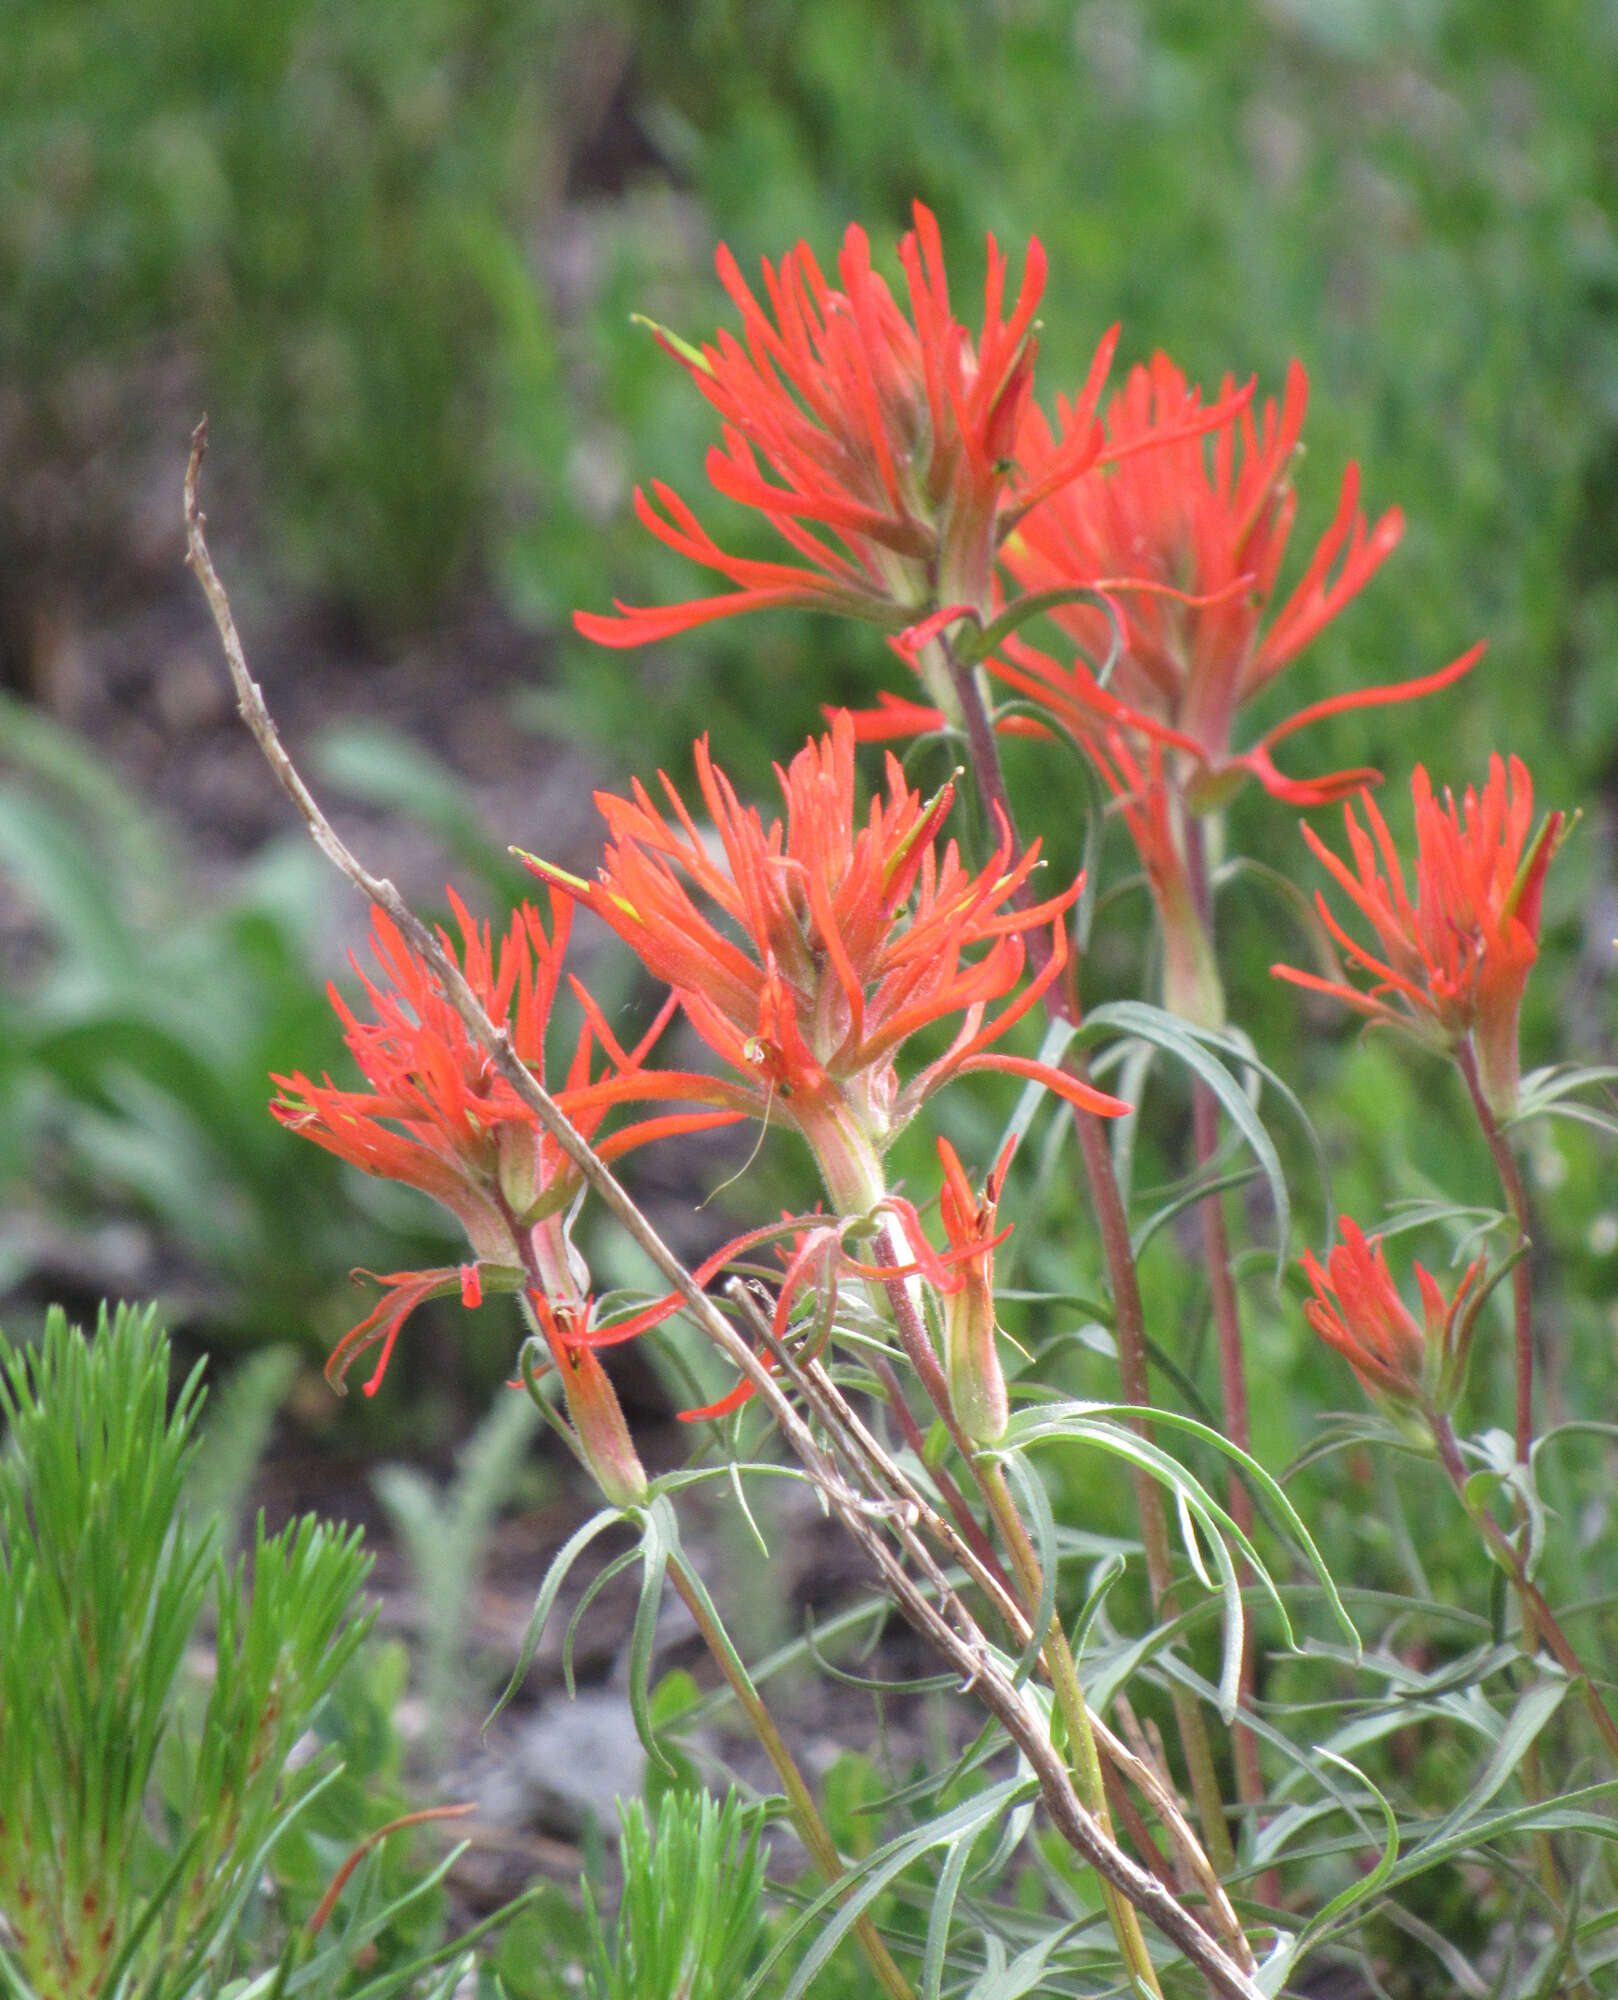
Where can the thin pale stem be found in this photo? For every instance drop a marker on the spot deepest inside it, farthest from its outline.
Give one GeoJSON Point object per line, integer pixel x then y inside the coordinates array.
{"type": "Point", "coordinates": [1129, 1316]}
{"type": "Point", "coordinates": [1522, 1277]}
{"type": "Point", "coordinates": [954, 1499]}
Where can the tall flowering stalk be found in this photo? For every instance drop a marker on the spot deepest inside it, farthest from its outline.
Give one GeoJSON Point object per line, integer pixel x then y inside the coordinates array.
{"type": "Point", "coordinates": [1451, 967]}
{"type": "Point", "coordinates": [1415, 1366]}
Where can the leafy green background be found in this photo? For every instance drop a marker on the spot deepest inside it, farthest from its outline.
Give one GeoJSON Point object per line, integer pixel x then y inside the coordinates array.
{"type": "Point", "coordinates": [396, 252]}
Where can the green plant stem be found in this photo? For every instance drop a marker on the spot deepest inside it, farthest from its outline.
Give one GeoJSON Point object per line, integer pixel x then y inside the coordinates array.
{"type": "Point", "coordinates": [1089, 1780]}
{"type": "Point", "coordinates": [1232, 1361]}
{"type": "Point", "coordinates": [1522, 1277]}
{"type": "Point", "coordinates": [1537, 1614]}
{"type": "Point", "coordinates": [1535, 1627]}
{"type": "Point", "coordinates": [812, 1829]}
{"type": "Point", "coordinates": [1064, 1678]}
{"type": "Point", "coordinates": [1129, 1316]}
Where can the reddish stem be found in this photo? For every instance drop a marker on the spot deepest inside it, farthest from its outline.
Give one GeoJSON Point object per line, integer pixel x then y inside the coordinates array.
{"type": "Point", "coordinates": [1538, 1618]}
{"type": "Point", "coordinates": [1232, 1362]}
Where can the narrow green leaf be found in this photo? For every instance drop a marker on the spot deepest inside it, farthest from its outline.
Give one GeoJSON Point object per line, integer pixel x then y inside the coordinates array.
{"type": "Point", "coordinates": [1362, 1891]}
{"type": "Point", "coordinates": [941, 1914]}
{"type": "Point", "coordinates": [872, 1876]}
{"type": "Point", "coordinates": [564, 1559]}
{"type": "Point", "coordinates": [658, 1535]}
{"type": "Point", "coordinates": [1197, 1048]}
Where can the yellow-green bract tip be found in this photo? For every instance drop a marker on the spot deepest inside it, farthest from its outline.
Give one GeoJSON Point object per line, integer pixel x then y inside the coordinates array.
{"type": "Point", "coordinates": [693, 357]}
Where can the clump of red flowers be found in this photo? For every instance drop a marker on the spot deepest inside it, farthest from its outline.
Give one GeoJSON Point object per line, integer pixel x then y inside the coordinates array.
{"type": "Point", "coordinates": [896, 435]}
{"type": "Point", "coordinates": [437, 1115]}
{"type": "Point", "coordinates": [1450, 966]}
{"type": "Point", "coordinates": [1419, 1363]}
{"type": "Point", "coordinates": [1202, 524]}
{"type": "Point", "coordinates": [806, 954]}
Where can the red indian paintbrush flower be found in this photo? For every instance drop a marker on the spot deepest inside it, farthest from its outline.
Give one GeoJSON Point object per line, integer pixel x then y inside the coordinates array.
{"type": "Point", "coordinates": [896, 435]}
{"type": "Point", "coordinates": [439, 1116]}
{"type": "Point", "coordinates": [1455, 962]}
{"type": "Point", "coordinates": [831, 944]}
{"type": "Point", "coordinates": [1200, 522]}
{"type": "Point", "coordinates": [977, 1387]}
{"type": "Point", "coordinates": [592, 1403]}
{"type": "Point", "coordinates": [1357, 1309]}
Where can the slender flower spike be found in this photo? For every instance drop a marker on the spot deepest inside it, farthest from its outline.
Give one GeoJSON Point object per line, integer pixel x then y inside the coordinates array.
{"type": "Point", "coordinates": [1455, 962]}
{"type": "Point", "coordinates": [438, 1116]}
{"type": "Point", "coordinates": [1201, 522]}
{"type": "Point", "coordinates": [592, 1403]}
{"type": "Point", "coordinates": [882, 447]}
{"type": "Point", "coordinates": [977, 1387]}
{"type": "Point", "coordinates": [1419, 1363]}
{"type": "Point", "coordinates": [807, 954]}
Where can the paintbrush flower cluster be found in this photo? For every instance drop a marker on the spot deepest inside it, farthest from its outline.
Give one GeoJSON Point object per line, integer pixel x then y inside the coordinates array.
{"type": "Point", "coordinates": [829, 965]}
{"type": "Point", "coordinates": [1151, 529]}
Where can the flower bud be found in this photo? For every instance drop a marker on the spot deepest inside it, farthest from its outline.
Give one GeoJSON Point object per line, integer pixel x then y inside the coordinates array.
{"type": "Point", "coordinates": [598, 1420]}
{"type": "Point", "coordinates": [977, 1386]}
{"type": "Point", "coordinates": [1417, 1364]}
{"type": "Point", "coordinates": [592, 1403]}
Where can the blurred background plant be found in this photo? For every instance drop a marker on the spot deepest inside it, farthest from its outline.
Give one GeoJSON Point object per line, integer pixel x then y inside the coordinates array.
{"type": "Point", "coordinates": [397, 254]}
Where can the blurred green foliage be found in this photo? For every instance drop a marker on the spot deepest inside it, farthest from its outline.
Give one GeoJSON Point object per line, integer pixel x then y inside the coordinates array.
{"type": "Point", "coordinates": [136, 1056]}
{"type": "Point", "coordinates": [1416, 200]}
{"type": "Point", "coordinates": [282, 189]}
